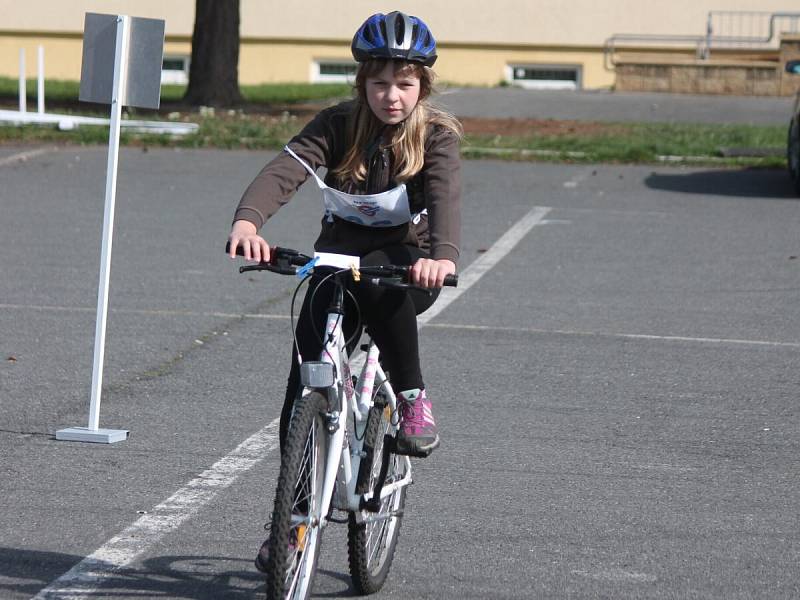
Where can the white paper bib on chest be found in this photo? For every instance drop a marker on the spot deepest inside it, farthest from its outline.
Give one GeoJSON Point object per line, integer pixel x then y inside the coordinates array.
{"type": "Point", "coordinates": [387, 209]}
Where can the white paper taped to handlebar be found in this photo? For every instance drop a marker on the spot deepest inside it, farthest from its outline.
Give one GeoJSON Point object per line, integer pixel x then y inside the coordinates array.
{"type": "Point", "coordinates": [341, 261]}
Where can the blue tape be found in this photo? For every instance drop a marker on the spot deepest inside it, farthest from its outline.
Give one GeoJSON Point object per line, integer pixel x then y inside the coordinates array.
{"type": "Point", "coordinates": [307, 268]}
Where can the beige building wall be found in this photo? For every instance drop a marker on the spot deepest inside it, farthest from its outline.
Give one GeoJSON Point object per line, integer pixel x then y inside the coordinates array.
{"type": "Point", "coordinates": [281, 40]}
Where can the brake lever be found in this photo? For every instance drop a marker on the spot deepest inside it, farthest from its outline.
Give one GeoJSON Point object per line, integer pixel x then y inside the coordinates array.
{"type": "Point", "coordinates": [399, 285]}
{"type": "Point", "coordinates": [281, 269]}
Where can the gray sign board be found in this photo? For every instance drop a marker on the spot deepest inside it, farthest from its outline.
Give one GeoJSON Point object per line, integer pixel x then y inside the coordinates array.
{"type": "Point", "coordinates": [144, 59]}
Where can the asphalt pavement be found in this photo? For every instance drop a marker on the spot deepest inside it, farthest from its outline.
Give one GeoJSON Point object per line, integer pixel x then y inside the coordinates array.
{"type": "Point", "coordinates": [518, 103]}
{"type": "Point", "coordinates": [616, 396]}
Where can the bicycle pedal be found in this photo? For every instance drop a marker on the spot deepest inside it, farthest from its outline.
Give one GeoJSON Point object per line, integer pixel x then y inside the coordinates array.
{"type": "Point", "coordinates": [338, 521]}
{"type": "Point", "coordinates": [372, 505]}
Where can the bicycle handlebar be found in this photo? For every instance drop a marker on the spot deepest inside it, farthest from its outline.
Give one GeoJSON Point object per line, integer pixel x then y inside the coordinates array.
{"type": "Point", "coordinates": [283, 261]}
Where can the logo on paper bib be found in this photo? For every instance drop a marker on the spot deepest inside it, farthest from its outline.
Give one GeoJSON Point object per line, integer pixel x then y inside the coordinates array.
{"type": "Point", "coordinates": [368, 210]}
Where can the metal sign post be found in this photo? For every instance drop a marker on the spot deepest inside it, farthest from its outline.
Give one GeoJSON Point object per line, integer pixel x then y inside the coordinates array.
{"type": "Point", "coordinates": [134, 79]}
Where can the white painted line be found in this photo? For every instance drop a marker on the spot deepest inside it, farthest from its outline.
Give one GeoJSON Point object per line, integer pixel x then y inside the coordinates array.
{"type": "Point", "coordinates": [469, 276]}
{"type": "Point", "coordinates": [579, 178]}
{"type": "Point", "coordinates": [23, 156]}
{"type": "Point", "coordinates": [630, 336]}
{"type": "Point", "coordinates": [618, 575]}
{"type": "Point", "coordinates": [83, 579]}
{"type": "Point", "coordinates": [145, 311]}
{"type": "Point", "coordinates": [635, 336]}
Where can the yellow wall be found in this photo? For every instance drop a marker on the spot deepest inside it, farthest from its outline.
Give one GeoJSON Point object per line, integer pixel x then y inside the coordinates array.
{"type": "Point", "coordinates": [270, 61]}
{"type": "Point", "coordinates": [62, 54]}
{"type": "Point", "coordinates": [476, 65]}
{"type": "Point", "coordinates": [62, 58]}
{"type": "Point", "coordinates": [280, 39]}
{"type": "Point", "coordinates": [521, 22]}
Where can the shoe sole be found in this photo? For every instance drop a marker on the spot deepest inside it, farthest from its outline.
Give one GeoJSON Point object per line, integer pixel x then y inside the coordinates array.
{"type": "Point", "coordinates": [417, 451]}
{"type": "Point", "coordinates": [261, 568]}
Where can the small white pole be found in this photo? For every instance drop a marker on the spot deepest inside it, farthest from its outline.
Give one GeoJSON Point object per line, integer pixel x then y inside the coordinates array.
{"type": "Point", "coordinates": [120, 75]}
{"type": "Point", "coordinates": [40, 82]}
{"type": "Point", "coordinates": [23, 103]}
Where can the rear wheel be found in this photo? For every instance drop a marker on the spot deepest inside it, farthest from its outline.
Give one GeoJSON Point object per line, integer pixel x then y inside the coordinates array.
{"type": "Point", "coordinates": [793, 154]}
{"type": "Point", "coordinates": [371, 543]}
{"type": "Point", "coordinates": [296, 520]}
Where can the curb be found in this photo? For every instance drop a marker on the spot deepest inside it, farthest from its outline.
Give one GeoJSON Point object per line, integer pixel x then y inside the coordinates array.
{"type": "Point", "coordinates": [727, 154]}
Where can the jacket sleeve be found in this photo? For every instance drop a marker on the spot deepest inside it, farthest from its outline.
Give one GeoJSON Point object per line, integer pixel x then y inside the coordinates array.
{"type": "Point", "coordinates": [442, 185]}
{"type": "Point", "coordinates": [278, 181]}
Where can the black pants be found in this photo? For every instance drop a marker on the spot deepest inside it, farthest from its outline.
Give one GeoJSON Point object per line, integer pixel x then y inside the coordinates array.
{"type": "Point", "coordinates": [389, 315]}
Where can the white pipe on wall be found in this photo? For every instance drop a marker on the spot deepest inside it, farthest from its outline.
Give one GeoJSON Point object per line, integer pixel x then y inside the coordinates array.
{"type": "Point", "coordinates": [40, 82]}
{"type": "Point", "coordinates": [23, 104]}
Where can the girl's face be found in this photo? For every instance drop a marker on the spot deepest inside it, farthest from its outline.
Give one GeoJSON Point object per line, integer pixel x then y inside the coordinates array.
{"type": "Point", "coordinates": [392, 95]}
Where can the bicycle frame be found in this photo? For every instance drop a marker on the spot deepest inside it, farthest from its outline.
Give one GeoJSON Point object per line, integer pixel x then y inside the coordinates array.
{"type": "Point", "coordinates": [319, 476]}
{"type": "Point", "coordinates": [344, 399]}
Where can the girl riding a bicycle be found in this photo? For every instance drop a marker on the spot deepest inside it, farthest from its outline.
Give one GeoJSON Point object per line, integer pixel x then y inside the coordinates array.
{"type": "Point", "coordinates": [391, 195]}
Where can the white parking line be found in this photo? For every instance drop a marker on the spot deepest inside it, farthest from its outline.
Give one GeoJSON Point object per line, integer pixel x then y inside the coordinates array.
{"type": "Point", "coordinates": [152, 312]}
{"type": "Point", "coordinates": [579, 177]}
{"type": "Point", "coordinates": [23, 156]}
{"type": "Point", "coordinates": [82, 580]}
{"type": "Point", "coordinates": [486, 261]}
{"type": "Point", "coordinates": [612, 334]}
{"type": "Point", "coordinates": [423, 320]}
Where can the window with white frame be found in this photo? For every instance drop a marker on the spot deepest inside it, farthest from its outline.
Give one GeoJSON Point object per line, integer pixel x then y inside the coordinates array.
{"type": "Point", "coordinates": [333, 71]}
{"type": "Point", "coordinates": [175, 70]}
{"type": "Point", "coordinates": [544, 77]}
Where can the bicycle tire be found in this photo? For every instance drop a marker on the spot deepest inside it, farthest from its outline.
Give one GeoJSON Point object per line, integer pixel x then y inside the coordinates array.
{"type": "Point", "coordinates": [793, 154]}
{"type": "Point", "coordinates": [294, 551]}
{"type": "Point", "coordinates": [371, 546]}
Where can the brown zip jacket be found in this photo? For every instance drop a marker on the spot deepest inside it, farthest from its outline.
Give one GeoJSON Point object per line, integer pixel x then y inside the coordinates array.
{"type": "Point", "coordinates": [321, 143]}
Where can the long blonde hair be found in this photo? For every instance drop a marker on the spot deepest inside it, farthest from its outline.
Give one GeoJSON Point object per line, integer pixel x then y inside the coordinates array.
{"type": "Point", "coordinates": [408, 137]}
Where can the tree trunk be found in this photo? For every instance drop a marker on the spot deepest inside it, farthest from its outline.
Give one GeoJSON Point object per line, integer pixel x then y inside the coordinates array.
{"type": "Point", "coordinates": [214, 70]}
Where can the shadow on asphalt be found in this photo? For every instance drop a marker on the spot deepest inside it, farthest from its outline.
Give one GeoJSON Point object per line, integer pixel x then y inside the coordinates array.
{"type": "Point", "coordinates": [26, 572]}
{"type": "Point", "coordinates": [347, 592]}
{"type": "Point", "coordinates": [747, 183]}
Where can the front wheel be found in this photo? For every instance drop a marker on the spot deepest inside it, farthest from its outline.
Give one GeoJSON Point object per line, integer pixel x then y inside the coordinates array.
{"type": "Point", "coordinates": [371, 543]}
{"type": "Point", "coordinates": [296, 519]}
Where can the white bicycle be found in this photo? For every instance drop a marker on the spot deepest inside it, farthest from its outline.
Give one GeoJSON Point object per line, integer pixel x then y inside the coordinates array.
{"type": "Point", "coordinates": [338, 453]}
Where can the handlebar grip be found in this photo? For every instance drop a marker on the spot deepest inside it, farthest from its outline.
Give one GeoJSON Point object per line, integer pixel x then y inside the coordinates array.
{"type": "Point", "coordinates": [239, 249]}
{"type": "Point", "coordinates": [404, 270]}
{"type": "Point", "coordinates": [399, 285]}
{"type": "Point", "coordinates": [276, 253]}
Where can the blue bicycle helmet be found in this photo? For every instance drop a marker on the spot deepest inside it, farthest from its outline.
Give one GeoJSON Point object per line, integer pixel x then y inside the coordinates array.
{"type": "Point", "coordinates": [394, 35]}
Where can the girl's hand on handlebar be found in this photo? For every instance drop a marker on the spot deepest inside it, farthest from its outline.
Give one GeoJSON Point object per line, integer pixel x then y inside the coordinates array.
{"type": "Point", "coordinates": [429, 273]}
{"type": "Point", "coordinates": [244, 234]}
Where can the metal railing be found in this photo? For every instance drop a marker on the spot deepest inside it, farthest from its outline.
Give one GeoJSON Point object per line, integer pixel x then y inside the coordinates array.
{"type": "Point", "coordinates": [750, 30]}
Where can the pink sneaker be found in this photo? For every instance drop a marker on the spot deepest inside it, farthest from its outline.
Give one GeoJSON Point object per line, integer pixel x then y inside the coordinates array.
{"type": "Point", "coordinates": [418, 435]}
